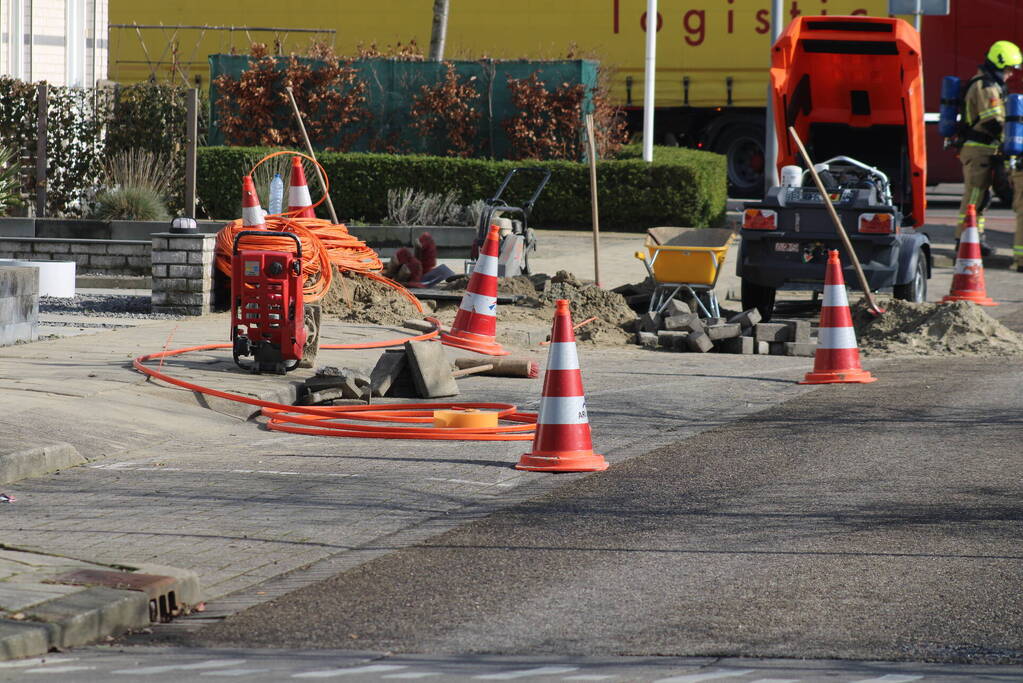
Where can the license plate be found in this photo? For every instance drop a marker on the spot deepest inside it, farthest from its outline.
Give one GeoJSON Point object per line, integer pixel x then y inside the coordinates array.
{"type": "Point", "coordinates": [792, 247]}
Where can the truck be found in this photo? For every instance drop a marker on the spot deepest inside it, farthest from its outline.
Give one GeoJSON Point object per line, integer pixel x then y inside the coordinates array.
{"type": "Point", "coordinates": [846, 86]}
{"type": "Point", "coordinates": [712, 55]}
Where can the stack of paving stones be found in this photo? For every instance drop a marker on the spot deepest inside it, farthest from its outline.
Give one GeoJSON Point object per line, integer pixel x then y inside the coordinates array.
{"type": "Point", "coordinates": [19, 304]}
{"type": "Point", "coordinates": [678, 328]}
{"type": "Point", "coordinates": [183, 273]}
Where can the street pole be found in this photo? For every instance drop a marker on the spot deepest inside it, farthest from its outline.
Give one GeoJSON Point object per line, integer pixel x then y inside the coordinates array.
{"type": "Point", "coordinates": [648, 86]}
{"type": "Point", "coordinates": [770, 133]}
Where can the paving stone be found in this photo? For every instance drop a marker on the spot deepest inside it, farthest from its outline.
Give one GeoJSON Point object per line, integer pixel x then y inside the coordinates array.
{"type": "Point", "coordinates": [747, 319]}
{"type": "Point", "coordinates": [699, 342]}
{"type": "Point", "coordinates": [431, 371]}
{"type": "Point", "coordinates": [723, 331]}
{"type": "Point", "coordinates": [391, 365]}
{"type": "Point", "coordinates": [807, 349]}
{"type": "Point", "coordinates": [648, 340]}
{"type": "Point", "coordinates": [741, 345]}
{"type": "Point", "coordinates": [773, 332]}
{"type": "Point", "coordinates": [669, 338]}
{"type": "Point", "coordinates": [777, 348]}
{"type": "Point", "coordinates": [800, 330]}
{"type": "Point", "coordinates": [650, 322]}
{"type": "Point", "coordinates": [681, 321]}
{"type": "Point", "coordinates": [674, 307]}
{"type": "Point", "coordinates": [762, 348]}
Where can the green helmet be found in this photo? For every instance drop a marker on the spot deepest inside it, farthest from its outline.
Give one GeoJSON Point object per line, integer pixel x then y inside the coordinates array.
{"type": "Point", "coordinates": [1004, 55]}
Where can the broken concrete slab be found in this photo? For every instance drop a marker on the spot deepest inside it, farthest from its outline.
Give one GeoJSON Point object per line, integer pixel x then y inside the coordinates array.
{"type": "Point", "coordinates": [430, 369]}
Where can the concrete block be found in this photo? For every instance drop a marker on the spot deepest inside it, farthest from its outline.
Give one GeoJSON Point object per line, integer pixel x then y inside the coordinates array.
{"type": "Point", "coordinates": [7, 245]}
{"type": "Point", "coordinates": [713, 321]}
{"type": "Point", "coordinates": [17, 226]}
{"type": "Point", "coordinates": [389, 368]}
{"type": "Point", "coordinates": [81, 260]}
{"type": "Point", "coordinates": [188, 242]}
{"type": "Point", "coordinates": [203, 257]}
{"type": "Point", "coordinates": [157, 297]}
{"type": "Point", "coordinates": [21, 461]}
{"type": "Point", "coordinates": [12, 333]}
{"type": "Point", "coordinates": [777, 348]}
{"type": "Point", "coordinates": [723, 331]}
{"type": "Point", "coordinates": [699, 342]}
{"type": "Point", "coordinates": [762, 348]}
{"type": "Point", "coordinates": [741, 345]}
{"type": "Point", "coordinates": [746, 319]}
{"type": "Point", "coordinates": [128, 249]}
{"type": "Point", "coordinates": [800, 329]}
{"type": "Point", "coordinates": [187, 271]}
{"type": "Point", "coordinates": [648, 340]}
{"type": "Point", "coordinates": [159, 270]}
{"type": "Point", "coordinates": [670, 338]}
{"type": "Point", "coordinates": [20, 639]}
{"type": "Point", "coordinates": [18, 281]}
{"type": "Point", "coordinates": [104, 261]}
{"type": "Point", "coordinates": [431, 371]}
{"type": "Point", "coordinates": [89, 248]}
{"type": "Point", "coordinates": [19, 309]}
{"type": "Point", "coordinates": [185, 299]}
{"type": "Point", "coordinates": [772, 332]}
{"type": "Point", "coordinates": [650, 322]}
{"type": "Point", "coordinates": [51, 247]}
{"type": "Point", "coordinates": [142, 263]}
{"type": "Point", "coordinates": [806, 349]}
{"type": "Point", "coordinates": [681, 321]}
{"type": "Point", "coordinates": [159, 244]}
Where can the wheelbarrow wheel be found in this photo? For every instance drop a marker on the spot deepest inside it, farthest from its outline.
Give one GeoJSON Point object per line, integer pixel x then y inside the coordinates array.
{"type": "Point", "coordinates": [758, 297]}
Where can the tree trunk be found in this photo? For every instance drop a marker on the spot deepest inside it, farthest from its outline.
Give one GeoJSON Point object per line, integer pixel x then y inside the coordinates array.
{"type": "Point", "coordinates": [440, 29]}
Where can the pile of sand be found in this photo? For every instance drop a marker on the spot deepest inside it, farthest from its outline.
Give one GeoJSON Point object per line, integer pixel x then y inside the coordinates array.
{"type": "Point", "coordinates": [614, 318]}
{"type": "Point", "coordinates": [958, 328]}
{"type": "Point", "coordinates": [357, 298]}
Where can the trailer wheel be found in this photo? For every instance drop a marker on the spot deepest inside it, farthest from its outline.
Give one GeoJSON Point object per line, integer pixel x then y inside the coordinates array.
{"type": "Point", "coordinates": [743, 145]}
{"type": "Point", "coordinates": [916, 289]}
{"type": "Point", "coordinates": [760, 298]}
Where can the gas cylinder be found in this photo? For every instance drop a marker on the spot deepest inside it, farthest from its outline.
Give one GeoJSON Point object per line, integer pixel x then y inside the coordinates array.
{"type": "Point", "coordinates": [948, 118]}
{"type": "Point", "coordinates": [1013, 145]}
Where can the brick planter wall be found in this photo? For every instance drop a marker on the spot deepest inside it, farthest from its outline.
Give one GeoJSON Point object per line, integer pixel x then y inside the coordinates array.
{"type": "Point", "coordinates": [182, 273]}
{"type": "Point", "coordinates": [120, 257]}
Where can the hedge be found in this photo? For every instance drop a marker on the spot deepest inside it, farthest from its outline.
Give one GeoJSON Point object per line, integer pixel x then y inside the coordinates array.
{"type": "Point", "coordinates": [682, 187]}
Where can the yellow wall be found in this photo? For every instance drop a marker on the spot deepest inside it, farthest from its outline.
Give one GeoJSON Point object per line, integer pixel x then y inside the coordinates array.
{"type": "Point", "coordinates": [707, 40]}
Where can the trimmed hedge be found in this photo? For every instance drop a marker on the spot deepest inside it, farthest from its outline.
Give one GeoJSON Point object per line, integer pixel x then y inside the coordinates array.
{"type": "Point", "coordinates": [682, 187]}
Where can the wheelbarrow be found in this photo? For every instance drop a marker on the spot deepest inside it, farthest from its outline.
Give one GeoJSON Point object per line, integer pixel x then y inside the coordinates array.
{"type": "Point", "coordinates": [686, 259]}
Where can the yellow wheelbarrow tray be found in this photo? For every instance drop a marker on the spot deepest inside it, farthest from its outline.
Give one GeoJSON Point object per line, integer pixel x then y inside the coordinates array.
{"type": "Point", "coordinates": [688, 259]}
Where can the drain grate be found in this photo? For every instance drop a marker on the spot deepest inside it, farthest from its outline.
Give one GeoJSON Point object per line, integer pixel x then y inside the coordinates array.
{"type": "Point", "coordinates": [163, 604]}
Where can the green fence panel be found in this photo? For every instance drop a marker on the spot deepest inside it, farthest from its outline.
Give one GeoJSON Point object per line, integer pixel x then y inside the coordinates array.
{"type": "Point", "coordinates": [391, 86]}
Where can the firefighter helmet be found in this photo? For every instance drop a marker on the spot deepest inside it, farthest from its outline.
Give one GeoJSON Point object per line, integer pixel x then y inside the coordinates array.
{"type": "Point", "coordinates": [1004, 55]}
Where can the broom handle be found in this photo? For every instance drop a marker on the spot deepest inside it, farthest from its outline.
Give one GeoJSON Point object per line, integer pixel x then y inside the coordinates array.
{"type": "Point", "coordinates": [838, 225]}
{"type": "Point", "coordinates": [309, 148]}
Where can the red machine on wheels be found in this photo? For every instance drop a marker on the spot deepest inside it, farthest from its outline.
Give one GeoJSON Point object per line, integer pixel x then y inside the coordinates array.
{"type": "Point", "coordinates": [267, 312]}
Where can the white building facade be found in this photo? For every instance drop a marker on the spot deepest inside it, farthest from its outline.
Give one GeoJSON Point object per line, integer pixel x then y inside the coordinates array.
{"type": "Point", "coordinates": [63, 42]}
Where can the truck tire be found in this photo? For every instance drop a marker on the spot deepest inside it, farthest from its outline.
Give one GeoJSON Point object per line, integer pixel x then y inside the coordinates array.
{"type": "Point", "coordinates": [743, 145]}
{"type": "Point", "coordinates": [760, 298]}
{"type": "Point", "coordinates": [916, 289]}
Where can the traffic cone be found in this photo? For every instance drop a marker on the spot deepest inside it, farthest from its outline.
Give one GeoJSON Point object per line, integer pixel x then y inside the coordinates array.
{"type": "Point", "coordinates": [562, 442]}
{"type": "Point", "coordinates": [475, 326]}
{"type": "Point", "coordinates": [300, 204]}
{"type": "Point", "coordinates": [968, 281]}
{"type": "Point", "coordinates": [252, 212]}
{"type": "Point", "coordinates": [837, 359]}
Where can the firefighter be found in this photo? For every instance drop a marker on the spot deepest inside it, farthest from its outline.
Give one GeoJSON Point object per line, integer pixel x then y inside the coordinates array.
{"type": "Point", "coordinates": [1017, 206]}
{"type": "Point", "coordinates": [984, 117]}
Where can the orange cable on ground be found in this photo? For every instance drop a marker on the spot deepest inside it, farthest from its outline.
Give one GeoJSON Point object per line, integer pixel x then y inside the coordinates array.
{"type": "Point", "coordinates": [327, 420]}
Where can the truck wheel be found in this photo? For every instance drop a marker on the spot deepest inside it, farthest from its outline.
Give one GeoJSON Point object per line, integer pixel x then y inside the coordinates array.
{"type": "Point", "coordinates": [916, 289]}
{"type": "Point", "coordinates": [760, 298]}
{"type": "Point", "coordinates": [743, 145]}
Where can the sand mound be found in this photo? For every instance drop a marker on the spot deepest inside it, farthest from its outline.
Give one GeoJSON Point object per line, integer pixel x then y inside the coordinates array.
{"type": "Point", "coordinates": [357, 298]}
{"type": "Point", "coordinates": [958, 328]}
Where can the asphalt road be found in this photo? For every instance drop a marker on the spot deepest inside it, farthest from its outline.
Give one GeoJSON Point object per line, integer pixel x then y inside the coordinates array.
{"type": "Point", "coordinates": [855, 522]}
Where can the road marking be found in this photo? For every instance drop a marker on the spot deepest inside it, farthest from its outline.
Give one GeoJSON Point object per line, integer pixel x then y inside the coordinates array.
{"type": "Point", "coordinates": [58, 669]}
{"type": "Point", "coordinates": [330, 673]}
{"type": "Point", "coordinates": [776, 680]}
{"type": "Point", "coordinates": [889, 678]}
{"type": "Point", "coordinates": [526, 673]}
{"type": "Point", "coordinates": [36, 662]}
{"type": "Point", "coordinates": [709, 676]}
{"type": "Point", "coordinates": [466, 481]}
{"type": "Point", "coordinates": [234, 672]}
{"type": "Point", "coordinates": [413, 674]}
{"type": "Point", "coordinates": [134, 467]}
{"type": "Point", "coordinates": [588, 677]}
{"type": "Point", "coordinates": [149, 670]}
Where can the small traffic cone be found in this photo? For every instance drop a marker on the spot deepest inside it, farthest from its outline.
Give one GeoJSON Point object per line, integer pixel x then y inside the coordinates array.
{"type": "Point", "coordinates": [252, 212]}
{"type": "Point", "coordinates": [475, 326]}
{"type": "Point", "coordinates": [562, 442]}
{"type": "Point", "coordinates": [837, 359]}
{"type": "Point", "coordinates": [300, 204]}
{"type": "Point", "coordinates": [968, 281]}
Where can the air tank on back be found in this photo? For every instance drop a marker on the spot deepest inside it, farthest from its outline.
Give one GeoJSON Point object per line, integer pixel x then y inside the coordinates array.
{"type": "Point", "coordinates": [948, 118]}
{"type": "Point", "coordinates": [1013, 145]}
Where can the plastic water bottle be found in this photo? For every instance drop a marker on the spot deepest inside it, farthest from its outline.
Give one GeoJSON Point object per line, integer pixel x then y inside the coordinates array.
{"type": "Point", "coordinates": [276, 194]}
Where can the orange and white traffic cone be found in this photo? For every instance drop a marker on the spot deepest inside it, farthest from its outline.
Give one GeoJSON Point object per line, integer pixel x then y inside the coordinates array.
{"type": "Point", "coordinates": [252, 212]}
{"type": "Point", "coordinates": [968, 281]}
{"type": "Point", "coordinates": [300, 204]}
{"type": "Point", "coordinates": [837, 359]}
{"type": "Point", "coordinates": [475, 326]}
{"type": "Point", "coordinates": [562, 441]}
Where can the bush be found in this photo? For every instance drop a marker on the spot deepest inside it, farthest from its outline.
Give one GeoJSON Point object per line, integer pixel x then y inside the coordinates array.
{"type": "Point", "coordinates": [130, 204]}
{"type": "Point", "coordinates": [10, 180]}
{"type": "Point", "coordinates": [681, 187]}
